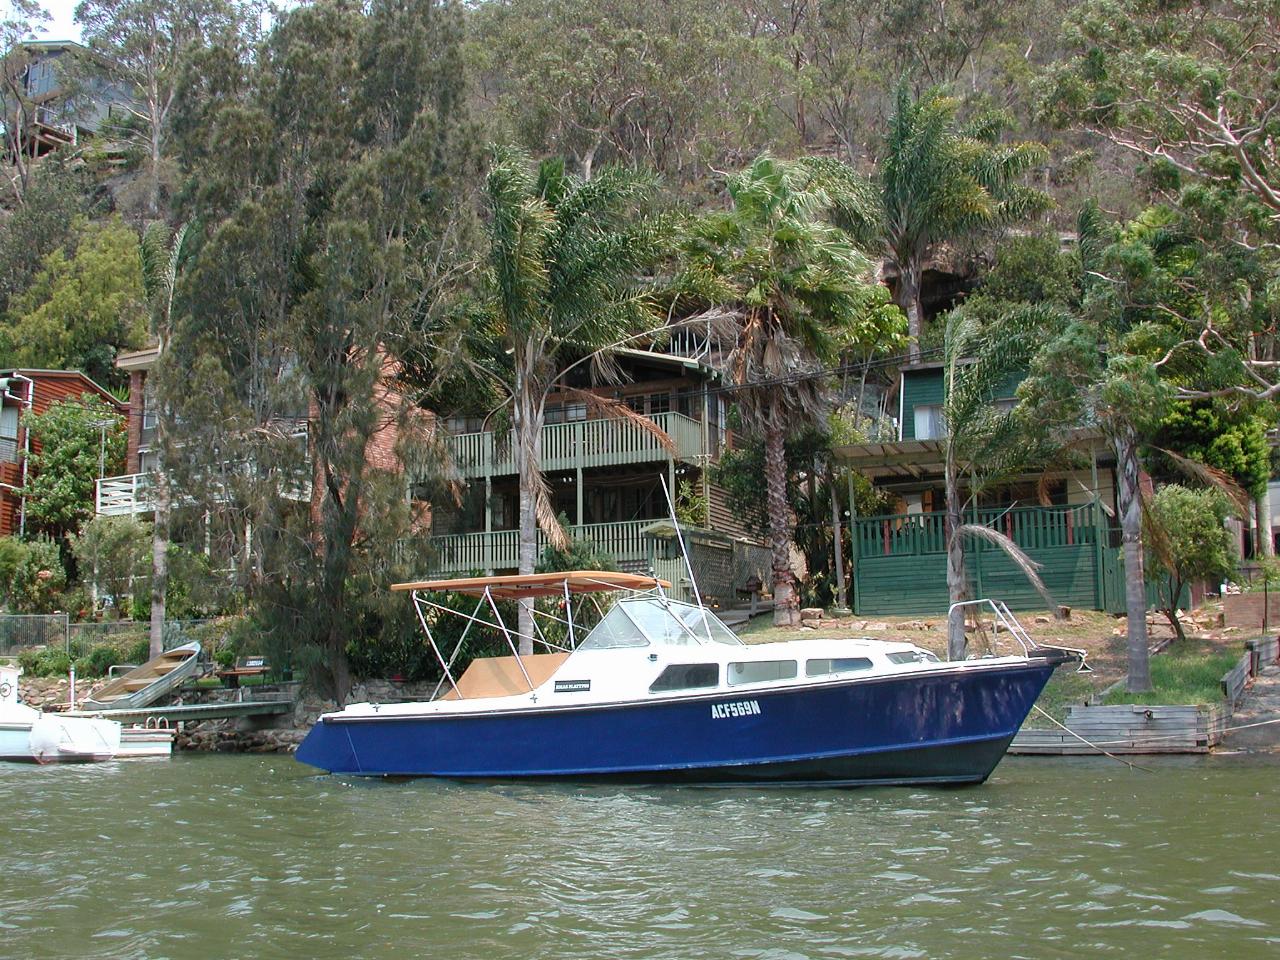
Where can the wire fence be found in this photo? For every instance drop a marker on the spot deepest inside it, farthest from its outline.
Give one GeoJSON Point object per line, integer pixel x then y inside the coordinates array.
{"type": "Point", "coordinates": [21, 631]}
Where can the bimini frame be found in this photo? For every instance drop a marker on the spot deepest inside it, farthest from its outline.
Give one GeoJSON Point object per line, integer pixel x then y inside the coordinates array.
{"type": "Point", "coordinates": [489, 590]}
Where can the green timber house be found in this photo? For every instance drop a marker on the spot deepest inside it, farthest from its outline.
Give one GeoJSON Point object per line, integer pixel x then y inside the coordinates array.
{"type": "Point", "coordinates": [899, 559]}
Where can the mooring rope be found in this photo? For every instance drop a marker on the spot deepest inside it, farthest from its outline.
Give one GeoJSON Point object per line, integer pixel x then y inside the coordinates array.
{"type": "Point", "coordinates": [1105, 753]}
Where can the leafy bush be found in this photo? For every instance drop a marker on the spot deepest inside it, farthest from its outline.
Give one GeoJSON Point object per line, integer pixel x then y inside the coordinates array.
{"type": "Point", "coordinates": [35, 575]}
{"type": "Point", "coordinates": [49, 662]}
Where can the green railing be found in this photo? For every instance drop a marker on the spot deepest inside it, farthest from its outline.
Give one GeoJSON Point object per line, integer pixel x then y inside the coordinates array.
{"type": "Point", "coordinates": [584, 443]}
{"type": "Point", "coordinates": [500, 550]}
{"type": "Point", "coordinates": [915, 534]}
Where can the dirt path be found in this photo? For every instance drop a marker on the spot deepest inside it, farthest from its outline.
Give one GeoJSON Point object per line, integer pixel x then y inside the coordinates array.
{"type": "Point", "coordinates": [1261, 703]}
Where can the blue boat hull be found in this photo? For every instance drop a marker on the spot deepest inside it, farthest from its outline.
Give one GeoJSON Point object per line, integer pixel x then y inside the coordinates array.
{"type": "Point", "coordinates": [927, 727]}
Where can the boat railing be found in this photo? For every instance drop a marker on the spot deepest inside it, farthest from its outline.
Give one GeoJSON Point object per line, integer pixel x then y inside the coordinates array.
{"type": "Point", "coordinates": [1002, 616]}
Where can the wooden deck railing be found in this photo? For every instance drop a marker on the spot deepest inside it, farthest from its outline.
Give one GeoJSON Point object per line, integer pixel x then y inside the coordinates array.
{"type": "Point", "coordinates": [499, 550]}
{"type": "Point", "coordinates": [583, 443]}
{"type": "Point", "coordinates": [133, 493]}
{"type": "Point", "coordinates": [912, 534]}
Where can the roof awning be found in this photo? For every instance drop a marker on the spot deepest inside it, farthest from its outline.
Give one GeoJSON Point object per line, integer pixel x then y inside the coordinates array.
{"type": "Point", "coordinates": [926, 459]}
{"type": "Point", "coordinates": [517, 586]}
{"type": "Point", "coordinates": [900, 458]}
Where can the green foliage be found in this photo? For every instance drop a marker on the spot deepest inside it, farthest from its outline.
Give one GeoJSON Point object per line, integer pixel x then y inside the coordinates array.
{"type": "Point", "coordinates": [579, 554]}
{"type": "Point", "coordinates": [37, 576]}
{"type": "Point", "coordinates": [740, 472]}
{"type": "Point", "coordinates": [335, 160]}
{"type": "Point", "coordinates": [1231, 440]}
{"type": "Point", "coordinates": [73, 438]}
{"type": "Point", "coordinates": [1187, 85]}
{"type": "Point", "coordinates": [84, 305]}
{"type": "Point", "coordinates": [800, 292]}
{"type": "Point", "coordinates": [115, 554]}
{"type": "Point", "coordinates": [1029, 269]}
{"type": "Point", "coordinates": [692, 508]}
{"type": "Point", "coordinates": [56, 205]}
{"type": "Point", "coordinates": [12, 553]}
{"type": "Point", "coordinates": [1188, 538]}
{"type": "Point", "coordinates": [49, 662]}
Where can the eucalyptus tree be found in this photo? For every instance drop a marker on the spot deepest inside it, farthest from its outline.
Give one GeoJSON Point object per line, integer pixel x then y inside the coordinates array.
{"type": "Point", "coordinates": [328, 173]}
{"type": "Point", "coordinates": [938, 180]}
{"type": "Point", "coordinates": [161, 251]}
{"type": "Point", "coordinates": [21, 20]}
{"type": "Point", "coordinates": [799, 293]}
{"type": "Point", "coordinates": [1187, 87]}
{"type": "Point", "coordinates": [1097, 370]}
{"type": "Point", "coordinates": [143, 45]}
{"type": "Point", "coordinates": [563, 283]}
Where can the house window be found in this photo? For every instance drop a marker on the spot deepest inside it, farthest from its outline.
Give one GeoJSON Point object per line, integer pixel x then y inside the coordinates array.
{"type": "Point", "coordinates": [929, 422]}
{"type": "Point", "coordinates": [9, 434]}
{"type": "Point", "coordinates": [686, 676]}
{"type": "Point", "coordinates": [659, 403]}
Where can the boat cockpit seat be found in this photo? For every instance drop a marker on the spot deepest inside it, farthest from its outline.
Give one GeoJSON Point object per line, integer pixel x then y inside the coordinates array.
{"type": "Point", "coordinates": [502, 677]}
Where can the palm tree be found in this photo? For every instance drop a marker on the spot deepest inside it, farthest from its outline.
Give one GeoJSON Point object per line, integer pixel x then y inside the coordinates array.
{"type": "Point", "coordinates": [160, 251]}
{"type": "Point", "coordinates": [983, 442]}
{"type": "Point", "coordinates": [937, 181]}
{"type": "Point", "coordinates": [561, 287]}
{"type": "Point", "coordinates": [800, 293]}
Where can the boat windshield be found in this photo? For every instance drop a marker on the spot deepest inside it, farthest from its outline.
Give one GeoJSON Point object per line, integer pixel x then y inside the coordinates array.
{"type": "Point", "coordinates": [648, 620]}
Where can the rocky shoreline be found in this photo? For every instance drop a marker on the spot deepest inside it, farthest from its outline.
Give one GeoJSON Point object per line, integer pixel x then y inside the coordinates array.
{"type": "Point", "coordinates": [230, 735]}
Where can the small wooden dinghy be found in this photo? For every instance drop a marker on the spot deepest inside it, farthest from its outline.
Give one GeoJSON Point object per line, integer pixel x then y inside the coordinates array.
{"type": "Point", "coordinates": [146, 684]}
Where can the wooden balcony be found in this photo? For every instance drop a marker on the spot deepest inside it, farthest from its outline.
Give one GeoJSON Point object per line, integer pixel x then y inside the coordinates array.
{"type": "Point", "coordinates": [125, 495]}
{"type": "Point", "coordinates": [584, 444]}
{"type": "Point", "coordinates": [499, 550]}
{"type": "Point", "coordinates": [133, 493]}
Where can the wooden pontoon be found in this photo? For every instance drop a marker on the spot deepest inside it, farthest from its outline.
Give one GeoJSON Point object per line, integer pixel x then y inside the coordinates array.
{"type": "Point", "coordinates": [148, 683]}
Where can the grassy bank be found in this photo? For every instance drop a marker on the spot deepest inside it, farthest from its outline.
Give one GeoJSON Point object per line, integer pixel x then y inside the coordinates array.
{"type": "Point", "coordinates": [1188, 672]}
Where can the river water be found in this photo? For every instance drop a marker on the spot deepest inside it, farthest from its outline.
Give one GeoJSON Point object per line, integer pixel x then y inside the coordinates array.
{"type": "Point", "coordinates": [208, 856]}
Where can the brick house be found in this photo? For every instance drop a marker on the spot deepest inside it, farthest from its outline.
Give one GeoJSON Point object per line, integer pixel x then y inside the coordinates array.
{"type": "Point", "coordinates": [36, 390]}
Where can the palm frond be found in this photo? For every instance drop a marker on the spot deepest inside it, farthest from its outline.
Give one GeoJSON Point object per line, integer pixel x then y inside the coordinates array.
{"type": "Point", "coordinates": [609, 409]}
{"type": "Point", "coordinates": [1214, 478]}
{"type": "Point", "coordinates": [1028, 567]}
{"type": "Point", "coordinates": [548, 520]}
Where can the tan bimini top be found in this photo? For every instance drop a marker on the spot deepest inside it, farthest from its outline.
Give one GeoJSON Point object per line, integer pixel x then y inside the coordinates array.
{"type": "Point", "coordinates": [540, 584]}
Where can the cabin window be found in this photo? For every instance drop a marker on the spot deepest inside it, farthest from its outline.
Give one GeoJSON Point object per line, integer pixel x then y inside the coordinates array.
{"type": "Point", "coordinates": [686, 676]}
{"type": "Point", "coordinates": [830, 665]}
{"type": "Point", "coordinates": [930, 424]}
{"type": "Point", "coordinates": [758, 671]}
{"type": "Point", "coordinates": [614, 631]}
{"type": "Point", "coordinates": [912, 656]}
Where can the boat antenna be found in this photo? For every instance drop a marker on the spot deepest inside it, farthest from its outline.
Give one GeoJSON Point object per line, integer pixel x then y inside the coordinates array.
{"type": "Point", "coordinates": [693, 581]}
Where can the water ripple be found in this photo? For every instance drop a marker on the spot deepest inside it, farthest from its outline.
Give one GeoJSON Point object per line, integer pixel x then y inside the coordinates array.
{"type": "Point", "coordinates": [219, 856]}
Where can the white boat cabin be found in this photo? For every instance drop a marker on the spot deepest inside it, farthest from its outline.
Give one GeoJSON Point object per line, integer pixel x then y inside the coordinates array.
{"type": "Point", "coordinates": [645, 647]}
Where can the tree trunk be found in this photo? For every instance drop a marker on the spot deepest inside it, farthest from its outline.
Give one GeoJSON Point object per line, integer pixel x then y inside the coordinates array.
{"type": "Point", "coordinates": [907, 296]}
{"type": "Point", "coordinates": [1171, 612]}
{"type": "Point", "coordinates": [1129, 503]}
{"type": "Point", "coordinates": [837, 543]}
{"type": "Point", "coordinates": [527, 420]}
{"type": "Point", "coordinates": [339, 669]}
{"type": "Point", "coordinates": [1266, 546]}
{"type": "Point", "coordinates": [159, 560]}
{"type": "Point", "coordinates": [957, 577]}
{"type": "Point", "coordinates": [786, 606]}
